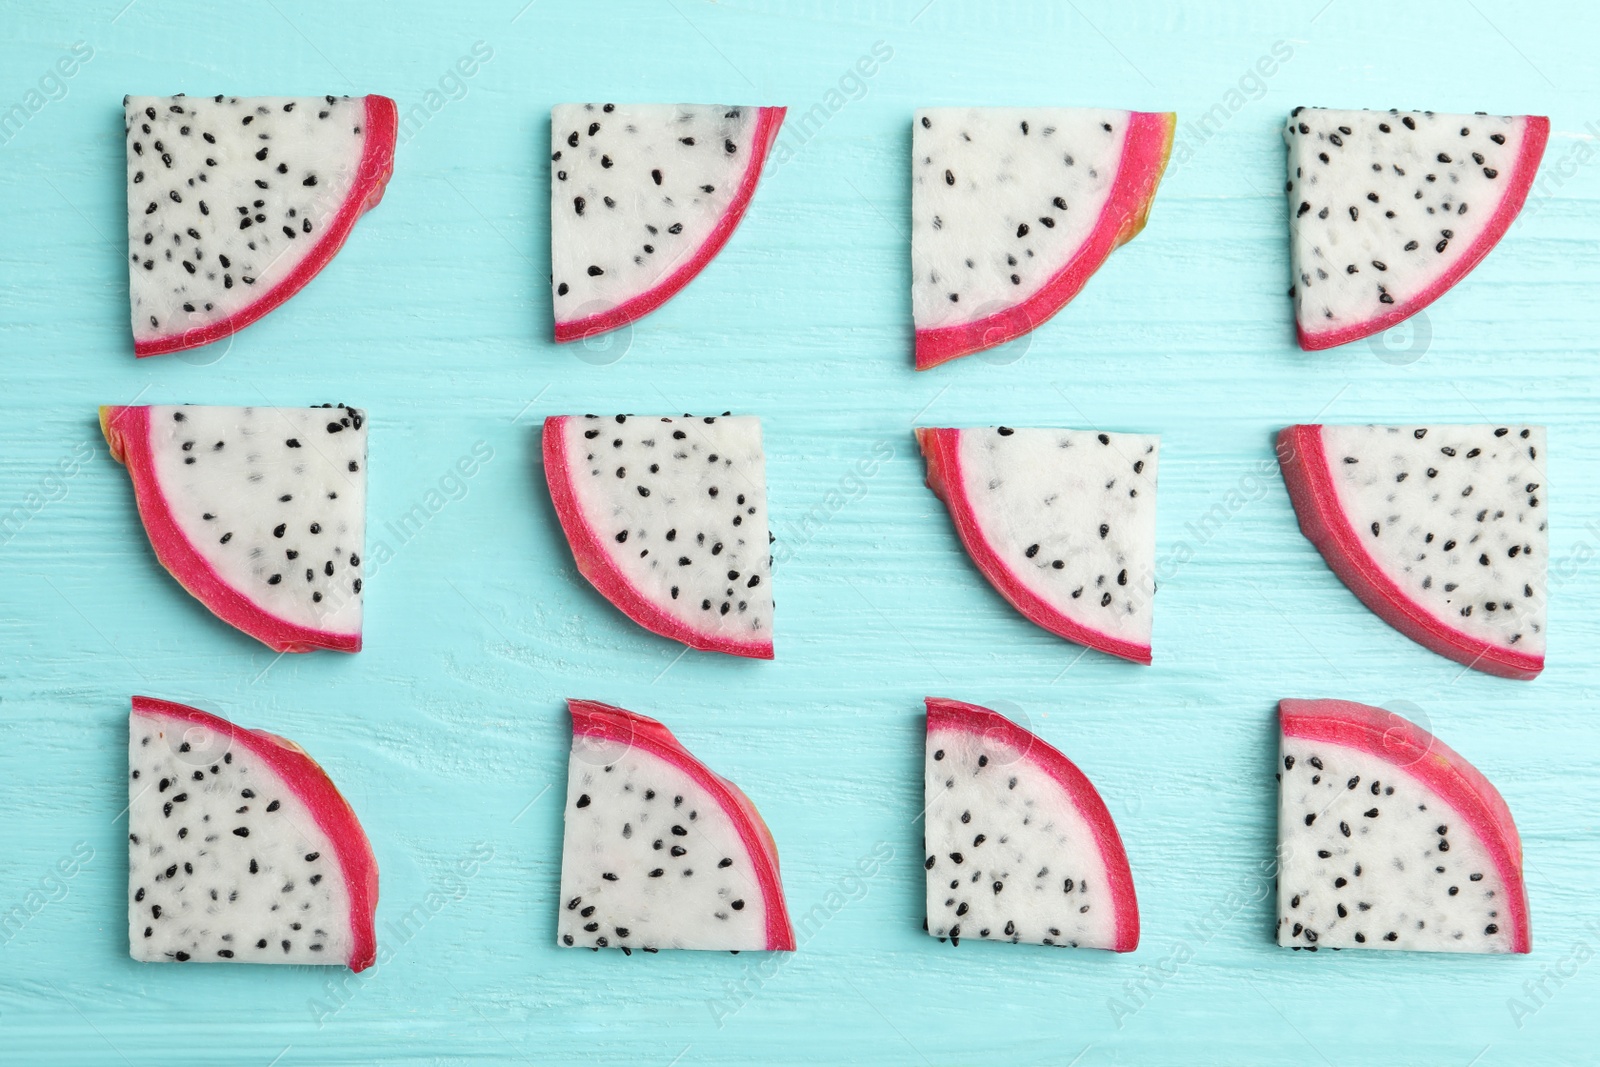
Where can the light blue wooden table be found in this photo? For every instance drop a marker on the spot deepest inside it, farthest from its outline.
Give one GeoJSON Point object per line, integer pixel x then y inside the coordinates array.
{"type": "Point", "coordinates": [448, 733]}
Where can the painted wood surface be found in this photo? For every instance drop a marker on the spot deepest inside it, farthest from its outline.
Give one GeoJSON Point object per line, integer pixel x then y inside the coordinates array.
{"type": "Point", "coordinates": [448, 733]}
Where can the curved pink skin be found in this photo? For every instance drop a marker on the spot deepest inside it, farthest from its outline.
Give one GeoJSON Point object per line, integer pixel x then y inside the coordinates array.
{"type": "Point", "coordinates": [1144, 159]}
{"type": "Point", "coordinates": [955, 715]}
{"type": "Point", "coordinates": [1536, 131]}
{"type": "Point", "coordinates": [312, 786]}
{"type": "Point", "coordinates": [1307, 473]}
{"type": "Point", "coordinates": [377, 164]}
{"type": "Point", "coordinates": [593, 719]}
{"type": "Point", "coordinates": [595, 563]}
{"type": "Point", "coordinates": [1418, 754]}
{"type": "Point", "coordinates": [762, 139]}
{"type": "Point", "coordinates": [127, 431]}
{"type": "Point", "coordinates": [941, 449]}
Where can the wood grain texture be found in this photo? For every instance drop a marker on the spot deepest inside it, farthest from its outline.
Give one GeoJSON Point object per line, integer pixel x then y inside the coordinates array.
{"type": "Point", "coordinates": [446, 732]}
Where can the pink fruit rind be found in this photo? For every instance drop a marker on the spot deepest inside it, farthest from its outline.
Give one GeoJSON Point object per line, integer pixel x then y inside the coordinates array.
{"type": "Point", "coordinates": [942, 450]}
{"type": "Point", "coordinates": [1144, 159]}
{"type": "Point", "coordinates": [377, 164]}
{"type": "Point", "coordinates": [328, 807]}
{"type": "Point", "coordinates": [765, 134]}
{"type": "Point", "coordinates": [593, 719]}
{"type": "Point", "coordinates": [127, 430]}
{"type": "Point", "coordinates": [1308, 475]}
{"type": "Point", "coordinates": [959, 717]}
{"type": "Point", "coordinates": [1417, 753]}
{"type": "Point", "coordinates": [595, 564]}
{"type": "Point", "coordinates": [1536, 132]}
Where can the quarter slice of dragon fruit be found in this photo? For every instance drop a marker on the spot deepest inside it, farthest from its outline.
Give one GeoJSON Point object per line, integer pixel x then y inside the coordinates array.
{"type": "Point", "coordinates": [1012, 209]}
{"type": "Point", "coordinates": [1061, 522]}
{"type": "Point", "coordinates": [1020, 846]}
{"type": "Point", "coordinates": [642, 197]}
{"type": "Point", "coordinates": [667, 518]}
{"type": "Point", "coordinates": [258, 512]}
{"type": "Point", "coordinates": [235, 203]}
{"type": "Point", "coordinates": [1389, 209]}
{"type": "Point", "coordinates": [1388, 839]}
{"type": "Point", "coordinates": [659, 852]}
{"type": "Point", "coordinates": [1439, 529]}
{"type": "Point", "coordinates": [240, 849]}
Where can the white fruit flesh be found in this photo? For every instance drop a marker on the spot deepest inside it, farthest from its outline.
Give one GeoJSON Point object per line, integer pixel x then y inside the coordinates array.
{"type": "Point", "coordinates": [680, 505]}
{"type": "Point", "coordinates": [636, 190]}
{"type": "Point", "coordinates": [1072, 515]}
{"type": "Point", "coordinates": [1000, 200]}
{"type": "Point", "coordinates": [1455, 517]}
{"type": "Point", "coordinates": [1371, 858]}
{"type": "Point", "coordinates": [226, 198]}
{"type": "Point", "coordinates": [225, 863]}
{"type": "Point", "coordinates": [649, 860]}
{"type": "Point", "coordinates": [274, 500]}
{"type": "Point", "coordinates": [1013, 859]}
{"type": "Point", "coordinates": [1383, 204]}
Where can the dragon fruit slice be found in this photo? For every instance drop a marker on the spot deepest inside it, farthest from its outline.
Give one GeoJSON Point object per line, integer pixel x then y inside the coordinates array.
{"type": "Point", "coordinates": [258, 512]}
{"type": "Point", "coordinates": [659, 852]}
{"type": "Point", "coordinates": [1388, 839]}
{"type": "Point", "coordinates": [642, 197]}
{"type": "Point", "coordinates": [1388, 210]}
{"type": "Point", "coordinates": [1440, 530]}
{"type": "Point", "coordinates": [235, 203]}
{"type": "Point", "coordinates": [667, 518]}
{"type": "Point", "coordinates": [1020, 846]}
{"type": "Point", "coordinates": [1012, 209]}
{"type": "Point", "coordinates": [240, 849]}
{"type": "Point", "coordinates": [1061, 522]}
